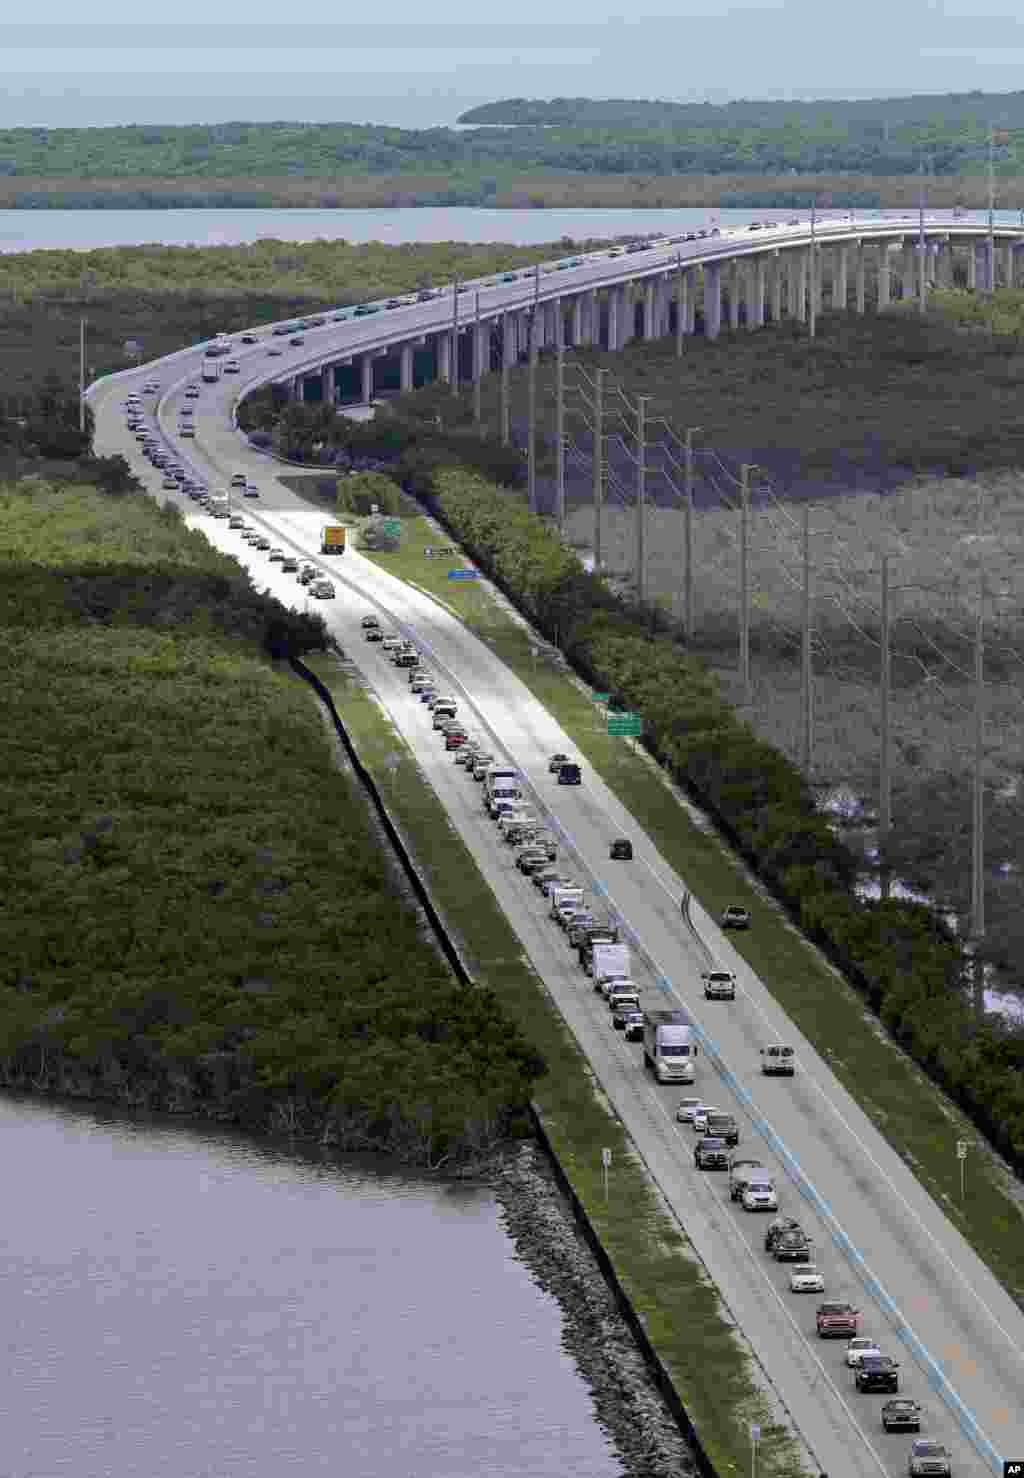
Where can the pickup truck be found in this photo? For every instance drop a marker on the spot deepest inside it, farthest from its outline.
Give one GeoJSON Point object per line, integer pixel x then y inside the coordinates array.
{"type": "Point", "coordinates": [719, 985]}
{"type": "Point", "coordinates": [837, 1321]}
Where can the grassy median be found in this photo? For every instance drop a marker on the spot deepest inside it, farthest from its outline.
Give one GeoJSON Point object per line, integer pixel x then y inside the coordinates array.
{"type": "Point", "coordinates": [652, 1257]}
{"type": "Point", "coordinates": [918, 1121]}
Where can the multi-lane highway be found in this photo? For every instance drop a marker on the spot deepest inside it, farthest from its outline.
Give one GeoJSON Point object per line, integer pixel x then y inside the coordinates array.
{"type": "Point", "coordinates": [921, 1289]}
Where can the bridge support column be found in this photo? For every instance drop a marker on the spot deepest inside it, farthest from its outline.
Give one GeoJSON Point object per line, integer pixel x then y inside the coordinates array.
{"type": "Point", "coordinates": [508, 339]}
{"type": "Point", "coordinates": [591, 318]}
{"type": "Point", "coordinates": [684, 300]}
{"type": "Point", "coordinates": [733, 270]}
{"type": "Point", "coordinates": [861, 291]}
{"type": "Point", "coordinates": [760, 274]}
{"type": "Point", "coordinates": [576, 320]}
{"type": "Point", "coordinates": [712, 300]}
{"type": "Point", "coordinates": [840, 283]}
{"type": "Point", "coordinates": [647, 311]}
{"type": "Point", "coordinates": [662, 324]}
{"type": "Point", "coordinates": [405, 381]}
{"type": "Point", "coordinates": [444, 358]}
{"type": "Point", "coordinates": [627, 320]}
{"type": "Point", "coordinates": [299, 388]}
{"type": "Point", "coordinates": [972, 265]}
{"type": "Point", "coordinates": [775, 273]}
{"type": "Point", "coordinates": [327, 384]}
{"type": "Point", "coordinates": [366, 377]}
{"type": "Point", "coordinates": [1008, 265]}
{"type": "Point", "coordinates": [616, 318]}
{"type": "Point", "coordinates": [906, 271]}
{"type": "Point", "coordinates": [802, 257]}
{"type": "Point", "coordinates": [481, 342]}
{"type": "Point", "coordinates": [884, 277]}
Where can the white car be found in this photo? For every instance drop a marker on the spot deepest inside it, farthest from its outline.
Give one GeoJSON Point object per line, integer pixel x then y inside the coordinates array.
{"type": "Point", "coordinates": [761, 1198]}
{"type": "Point", "coordinates": [390, 642]}
{"type": "Point", "coordinates": [686, 1110]}
{"type": "Point", "coordinates": [858, 1348]}
{"type": "Point", "coordinates": [700, 1116]}
{"type": "Point", "coordinates": [615, 983]}
{"type": "Point", "coordinates": [805, 1279]}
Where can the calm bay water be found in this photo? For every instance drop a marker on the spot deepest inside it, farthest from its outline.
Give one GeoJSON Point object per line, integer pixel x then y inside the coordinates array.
{"type": "Point", "coordinates": [188, 1305]}
{"type": "Point", "coordinates": [83, 230]}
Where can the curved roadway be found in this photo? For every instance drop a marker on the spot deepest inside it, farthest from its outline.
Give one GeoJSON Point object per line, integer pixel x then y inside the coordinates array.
{"type": "Point", "coordinates": [922, 1276]}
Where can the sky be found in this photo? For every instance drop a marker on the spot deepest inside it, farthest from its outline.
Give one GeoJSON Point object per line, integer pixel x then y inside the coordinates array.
{"type": "Point", "coordinates": [400, 69]}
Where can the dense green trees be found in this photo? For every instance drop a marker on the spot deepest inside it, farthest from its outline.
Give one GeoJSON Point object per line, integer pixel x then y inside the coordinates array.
{"type": "Point", "coordinates": [217, 163]}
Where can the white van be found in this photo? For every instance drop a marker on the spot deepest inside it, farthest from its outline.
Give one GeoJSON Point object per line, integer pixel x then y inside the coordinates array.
{"type": "Point", "coordinates": [505, 796]}
{"type": "Point", "coordinates": [498, 773]}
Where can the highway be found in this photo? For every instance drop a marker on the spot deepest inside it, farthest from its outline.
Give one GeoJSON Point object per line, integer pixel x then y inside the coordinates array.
{"type": "Point", "coordinates": [925, 1277]}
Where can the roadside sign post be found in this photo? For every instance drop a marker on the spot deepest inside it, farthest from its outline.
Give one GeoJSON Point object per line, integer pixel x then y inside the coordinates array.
{"type": "Point", "coordinates": [629, 725]}
{"type": "Point", "coordinates": [755, 1437]}
{"type": "Point", "coordinates": [606, 1160]}
{"type": "Point", "coordinates": [961, 1154]}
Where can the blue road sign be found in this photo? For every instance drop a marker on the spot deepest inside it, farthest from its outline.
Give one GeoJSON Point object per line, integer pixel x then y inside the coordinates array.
{"type": "Point", "coordinates": [463, 574]}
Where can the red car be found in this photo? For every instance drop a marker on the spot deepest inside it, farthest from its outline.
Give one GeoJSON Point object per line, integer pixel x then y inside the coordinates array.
{"type": "Point", "coordinates": [455, 740]}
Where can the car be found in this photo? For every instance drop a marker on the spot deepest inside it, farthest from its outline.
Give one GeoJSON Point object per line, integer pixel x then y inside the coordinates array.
{"type": "Point", "coordinates": [700, 1117]}
{"type": "Point", "coordinates": [187, 429]}
{"type": "Point", "coordinates": [232, 367]}
{"type": "Point", "coordinates": [369, 621]}
{"type": "Point", "coordinates": [296, 339]}
{"type": "Point", "coordinates": [249, 535]}
{"type": "Point", "coordinates": [532, 864]}
{"type": "Point", "coordinates": [857, 1348]}
{"type": "Point", "coordinates": [250, 338]}
{"type": "Point", "coordinates": [621, 850]}
{"type": "Point", "coordinates": [621, 996]}
{"type": "Point", "coordinates": [261, 542]}
{"type": "Point", "coordinates": [776, 1228]}
{"type": "Point", "coordinates": [722, 1126]}
{"type": "Point", "coordinates": [364, 309]}
{"type": "Point", "coordinates": [170, 482]}
{"type": "Point", "coordinates": [806, 1280]}
{"type": "Point", "coordinates": [556, 762]}
{"type": "Point", "coordinates": [289, 564]}
{"type": "Point", "coordinates": [249, 491]}
{"type": "Point", "coordinates": [761, 1197]}
{"type": "Point", "coordinates": [735, 917]}
{"type": "Point", "coordinates": [710, 1154]}
{"type": "Point", "coordinates": [237, 480]}
{"type": "Point", "coordinates": [317, 322]}
{"type": "Point", "coordinates": [193, 392]}
{"type": "Point", "coordinates": [236, 521]}
{"type": "Point", "coordinates": [407, 659]}
{"type": "Point", "coordinates": [393, 303]}
{"type": "Point", "coordinates": [877, 1373]}
{"type": "Point", "coordinates": [903, 1415]}
{"type": "Point", "coordinates": [686, 1110]}
{"type": "Point", "coordinates": [719, 985]}
{"type": "Point", "coordinates": [778, 1062]}
{"type": "Point", "coordinates": [275, 554]}
{"type": "Point", "coordinates": [928, 1458]}
{"type": "Point", "coordinates": [322, 589]}
{"type": "Point", "coordinates": [836, 1319]}
{"type": "Point", "coordinates": [307, 574]}
{"type": "Point", "coordinates": [274, 350]}
{"type": "Point", "coordinates": [455, 739]}
{"type": "Point", "coordinates": [623, 1012]}
{"type": "Point", "coordinates": [569, 775]}
{"type": "Point", "coordinates": [633, 1031]}
{"type": "Point", "coordinates": [580, 926]}
{"type": "Point", "coordinates": [186, 412]}
{"type": "Point", "coordinates": [548, 879]}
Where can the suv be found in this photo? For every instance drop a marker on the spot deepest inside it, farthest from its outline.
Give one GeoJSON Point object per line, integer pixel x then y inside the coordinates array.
{"type": "Point", "coordinates": [719, 985]}
{"type": "Point", "coordinates": [778, 1062]}
{"type": "Point", "coordinates": [569, 775]}
{"type": "Point", "coordinates": [710, 1154]}
{"type": "Point", "coordinates": [928, 1458]}
{"type": "Point", "coordinates": [794, 1247]}
{"type": "Point", "coordinates": [877, 1373]}
{"type": "Point", "coordinates": [901, 1416]}
{"type": "Point", "coordinates": [837, 1320]}
{"type": "Point", "coordinates": [775, 1229]}
{"type": "Point", "coordinates": [739, 1175]}
{"type": "Point", "coordinates": [723, 1126]}
{"type": "Point", "coordinates": [322, 589]}
{"type": "Point", "coordinates": [735, 917]}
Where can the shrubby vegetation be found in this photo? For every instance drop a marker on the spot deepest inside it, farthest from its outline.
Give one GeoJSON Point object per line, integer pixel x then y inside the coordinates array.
{"type": "Point", "coordinates": [908, 966]}
{"type": "Point", "coordinates": [196, 916]}
{"type": "Point", "coordinates": [877, 136]}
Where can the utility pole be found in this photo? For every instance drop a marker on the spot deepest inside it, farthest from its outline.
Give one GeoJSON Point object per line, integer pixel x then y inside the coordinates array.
{"type": "Point", "coordinates": [598, 460]}
{"type": "Point", "coordinates": [531, 419]}
{"type": "Point", "coordinates": [478, 369]}
{"type": "Point", "coordinates": [885, 685]}
{"type": "Point", "coordinates": [813, 315]}
{"type": "Point", "coordinates": [922, 291]}
{"type": "Point", "coordinates": [455, 337]}
{"type": "Point", "coordinates": [745, 472]}
{"type": "Point", "coordinates": [978, 836]}
{"type": "Point", "coordinates": [81, 374]}
{"type": "Point", "coordinates": [808, 670]}
{"type": "Point", "coordinates": [990, 283]}
{"type": "Point", "coordinates": [688, 535]}
{"type": "Point", "coordinates": [641, 497]}
{"type": "Point", "coordinates": [560, 437]}
{"type": "Point", "coordinates": [680, 309]}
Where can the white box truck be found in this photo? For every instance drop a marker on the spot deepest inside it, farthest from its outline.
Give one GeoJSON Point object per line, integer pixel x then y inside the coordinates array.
{"type": "Point", "coordinates": [670, 1046]}
{"type": "Point", "coordinates": [608, 961]}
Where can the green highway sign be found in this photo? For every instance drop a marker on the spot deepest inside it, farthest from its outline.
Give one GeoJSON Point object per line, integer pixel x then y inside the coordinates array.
{"type": "Point", "coordinates": [600, 697]}
{"type": "Point", "coordinates": [628, 724]}
{"type": "Point", "coordinates": [392, 526]}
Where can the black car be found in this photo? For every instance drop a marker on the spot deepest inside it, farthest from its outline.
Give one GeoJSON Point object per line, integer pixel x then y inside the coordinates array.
{"type": "Point", "coordinates": [532, 862]}
{"type": "Point", "coordinates": [711, 1154]}
{"type": "Point", "coordinates": [877, 1373]}
{"type": "Point", "coordinates": [623, 1014]}
{"type": "Point", "coordinates": [777, 1228]}
{"type": "Point", "coordinates": [792, 1247]}
{"type": "Point", "coordinates": [633, 1031]}
{"type": "Point", "coordinates": [621, 850]}
{"type": "Point", "coordinates": [374, 633]}
{"type": "Point", "coordinates": [407, 659]}
{"type": "Point", "coordinates": [901, 1416]}
{"type": "Point", "coordinates": [556, 762]}
{"type": "Point", "coordinates": [570, 775]}
{"type": "Point", "coordinates": [296, 339]}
